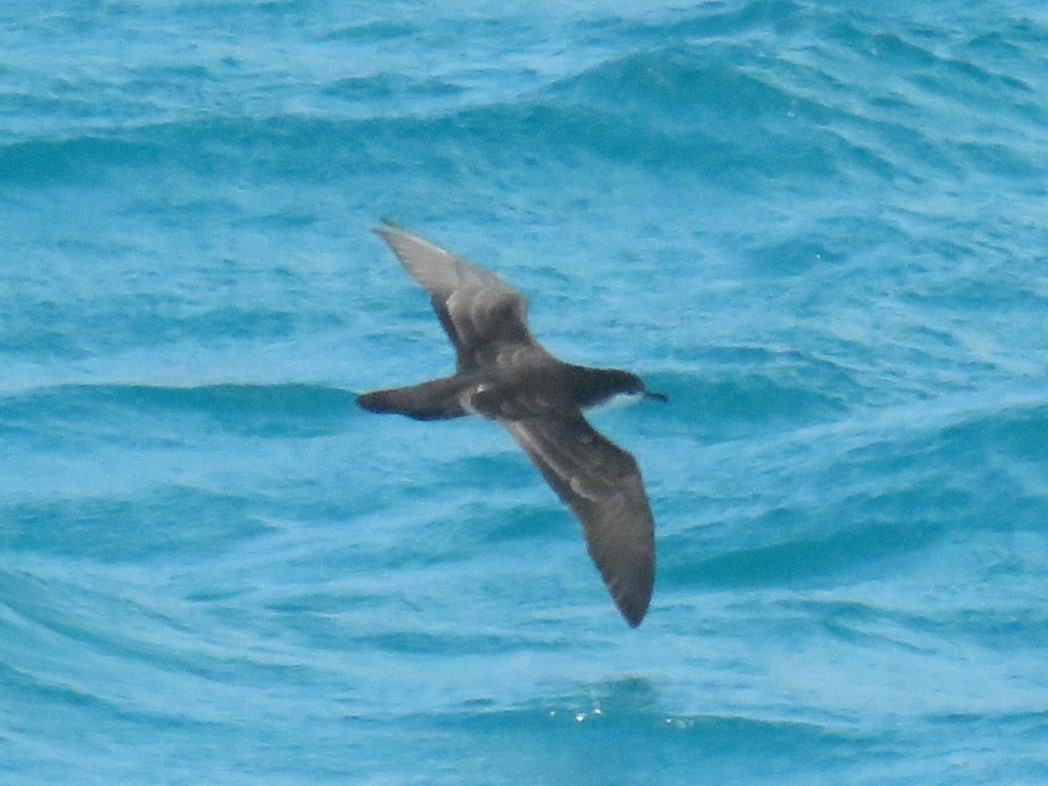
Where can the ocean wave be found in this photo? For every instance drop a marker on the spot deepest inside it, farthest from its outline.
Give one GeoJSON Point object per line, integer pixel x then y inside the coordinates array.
{"type": "Point", "coordinates": [817, 227]}
{"type": "Point", "coordinates": [79, 158]}
{"type": "Point", "coordinates": [141, 415]}
{"type": "Point", "coordinates": [112, 322]}
{"type": "Point", "coordinates": [684, 107]}
{"type": "Point", "coordinates": [148, 525]}
{"type": "Point", "coordinates": [845, 499]}
{"type": "Point", "coordinates": [839, 92]}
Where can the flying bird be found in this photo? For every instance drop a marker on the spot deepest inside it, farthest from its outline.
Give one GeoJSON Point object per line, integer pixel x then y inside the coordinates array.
{"type": "Point", "coordinates": [503, 374]}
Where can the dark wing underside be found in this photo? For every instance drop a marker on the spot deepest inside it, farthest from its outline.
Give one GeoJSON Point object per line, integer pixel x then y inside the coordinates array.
{"type": "Point", "coordinates": [482, 315]}
{"type": "Point", "coordinates": [602, 484]}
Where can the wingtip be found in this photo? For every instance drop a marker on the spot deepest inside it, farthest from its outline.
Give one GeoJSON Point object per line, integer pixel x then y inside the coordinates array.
{"type": "Point", "coordinates": [634, 616]}
{"type": "Point", "coordinates": [634, 598]}
{"type": "Point", "coordinates": [387, 226]}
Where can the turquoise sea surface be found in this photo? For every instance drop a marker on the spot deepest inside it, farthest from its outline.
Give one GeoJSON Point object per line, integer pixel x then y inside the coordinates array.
{"type": "Point", "coordinates": [820, 227]}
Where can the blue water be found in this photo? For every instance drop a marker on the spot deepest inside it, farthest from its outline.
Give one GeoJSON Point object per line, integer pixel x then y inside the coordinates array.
{"type": "Point", "coordinates": [821, 228]}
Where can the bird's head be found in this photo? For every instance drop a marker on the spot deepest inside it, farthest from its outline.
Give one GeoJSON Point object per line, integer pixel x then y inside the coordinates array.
{"type": "Point", "coordinates": [601, 386]}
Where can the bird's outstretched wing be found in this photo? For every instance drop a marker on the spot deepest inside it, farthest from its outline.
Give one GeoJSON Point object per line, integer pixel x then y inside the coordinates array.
{"type": "Point", "coordinates": [602, 484]}
{"type": "Point", "coordinates": [482, 315]}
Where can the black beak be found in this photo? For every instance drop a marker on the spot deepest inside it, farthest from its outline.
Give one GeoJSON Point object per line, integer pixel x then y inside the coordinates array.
{"type": "Point", "coordinates": [657, 396]}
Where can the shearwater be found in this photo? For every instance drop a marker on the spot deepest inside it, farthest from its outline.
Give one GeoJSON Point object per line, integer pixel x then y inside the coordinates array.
{"type": "Point", "coordinates": [503, 374]}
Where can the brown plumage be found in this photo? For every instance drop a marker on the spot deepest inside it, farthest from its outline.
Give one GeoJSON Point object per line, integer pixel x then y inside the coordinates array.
{"type": "Point", "coordinates": [504, 374]}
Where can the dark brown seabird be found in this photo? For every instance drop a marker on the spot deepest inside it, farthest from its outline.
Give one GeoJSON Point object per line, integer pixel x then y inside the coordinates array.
{"type": "Point", "coordinates": [505, 375]}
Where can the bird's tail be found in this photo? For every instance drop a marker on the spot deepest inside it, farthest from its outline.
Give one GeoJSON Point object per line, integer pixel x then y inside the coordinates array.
{"type": "Point", "coordinates": [439, 399]}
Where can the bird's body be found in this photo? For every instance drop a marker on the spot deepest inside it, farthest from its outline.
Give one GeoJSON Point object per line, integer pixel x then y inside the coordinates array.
{"type": "Point", "coordinates": [504, 374]}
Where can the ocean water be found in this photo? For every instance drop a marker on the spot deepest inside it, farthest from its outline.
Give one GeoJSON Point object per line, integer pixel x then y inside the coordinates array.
{"type": "Point", "coordinates": [821, 228]}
